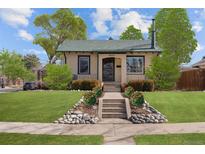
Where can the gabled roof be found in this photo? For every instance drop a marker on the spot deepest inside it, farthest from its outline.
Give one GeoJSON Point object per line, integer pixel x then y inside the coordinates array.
{"type": "Point", "coordinates": [107, 46]}
{"type": "Point", "coordinates": [200, 63]}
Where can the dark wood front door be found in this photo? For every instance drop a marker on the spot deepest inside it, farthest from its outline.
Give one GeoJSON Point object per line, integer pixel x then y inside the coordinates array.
{"type": "Point", "coordinates": [108, 69]}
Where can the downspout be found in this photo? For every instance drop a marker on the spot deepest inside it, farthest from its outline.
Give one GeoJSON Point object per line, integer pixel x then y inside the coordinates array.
{"type": "Point", "coordinates": [65, 59]}
{"type": "Point", "coordinates": [153, 41]}
{"type": "Point", "coordinates": [97, 66]}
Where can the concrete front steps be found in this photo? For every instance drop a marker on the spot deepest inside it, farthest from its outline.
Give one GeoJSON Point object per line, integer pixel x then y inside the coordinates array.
{"type": "Point", "coordinates": [114, 108]}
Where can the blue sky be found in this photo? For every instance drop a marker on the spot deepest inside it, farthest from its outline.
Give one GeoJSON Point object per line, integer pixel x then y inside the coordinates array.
{"type": "Point", "coordinates": [17, 30]}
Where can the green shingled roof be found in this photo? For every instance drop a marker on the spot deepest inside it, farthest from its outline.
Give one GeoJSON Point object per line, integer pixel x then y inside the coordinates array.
{"type": "Point", "coordinates": [107, 46]}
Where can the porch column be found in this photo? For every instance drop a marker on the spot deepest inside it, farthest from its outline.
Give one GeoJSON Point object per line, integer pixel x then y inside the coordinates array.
{"type": "Point", "coordinates": [100, 68]}
{"type": "Point", "coordinates": [123, 70]}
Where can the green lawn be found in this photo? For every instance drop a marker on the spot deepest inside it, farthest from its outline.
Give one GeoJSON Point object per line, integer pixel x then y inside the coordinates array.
{"type": "Point", "coordinates": [36, 106]}
{"type": "Point", "coordinates": [27, 139]}
{"type": "Point", "coordinates": [179, 106]}
{"type": "Point", "coordinates": [171, 139]}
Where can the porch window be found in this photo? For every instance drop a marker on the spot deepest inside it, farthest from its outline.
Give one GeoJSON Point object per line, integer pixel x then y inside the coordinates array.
{"type": "Point", "coordinates": [135, 64]}
{"type": "Point", "coordinates": [84, 65]}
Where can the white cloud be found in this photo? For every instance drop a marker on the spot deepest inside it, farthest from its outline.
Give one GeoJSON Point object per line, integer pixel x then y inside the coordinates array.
{"type": "Point", "coordinates": [100, 17]}
{"type": "Point", "coordinates": [16, 17]}
{"type": "Point", "coordinates": [25, 35]}
{"type": "Point", "coordinates": [34, 51]}
{"type": "Point", "coordinates": [106, 23]}
{"type": "Point", "coordinates": [130, 18]}
{"type": "Point", "coordinates": [199, 47]}
{"type": "Point", "coordinates": [197, 26]}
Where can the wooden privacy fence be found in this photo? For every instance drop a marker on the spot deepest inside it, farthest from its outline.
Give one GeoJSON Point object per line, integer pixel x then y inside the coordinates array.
{"type": "Point", "coordinates": [192, 80]}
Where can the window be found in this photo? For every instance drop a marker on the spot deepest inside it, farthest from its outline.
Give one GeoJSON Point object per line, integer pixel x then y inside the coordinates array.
{"type": "Point", "coordinates": [135, 65]}
{"type": "Point", "coordinates": [84, 65]}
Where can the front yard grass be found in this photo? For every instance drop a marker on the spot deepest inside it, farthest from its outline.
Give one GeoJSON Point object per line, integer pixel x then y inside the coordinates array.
{"type": "Point", "coordinates": [171, 139]}
{"type": "Point", "coordinates": [179, 106]}
{"type": "Point", "coordinates": [28, 139]}
{"type": "Point", "coordinates": [36, 106]}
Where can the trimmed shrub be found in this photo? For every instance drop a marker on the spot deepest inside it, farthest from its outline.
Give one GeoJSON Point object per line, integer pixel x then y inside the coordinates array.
{"type": "Point", "coordinates": [89, 98]}
{"type": "Point", "coordinates": [128, 91]}
{"type": "Point", "coordinates": [97, 91]}
{"type": "Point", "coordinates": [75, 85]}
{"type": "Point", "coordinates": [57, 76]}
{"type": "Point", "coordinates": [136, 84]}
{"type": "Point", "coordinates": [142, 85]}
{"type": "Point", "coordinates": [85, 84]}
{"type": "Point", "coordinates": [137, 98]}
{"type": "Point", "coordinates": [148, 85]}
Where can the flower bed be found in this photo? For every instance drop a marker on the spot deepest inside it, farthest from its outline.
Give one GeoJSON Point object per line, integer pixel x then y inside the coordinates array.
{"type": "Point", "coordinates": [141, 111]}
{"type": "Point", "coordinates": [80, 114]}
{"type": "Point", "coordinates": [84, 111]}
{"type": "Point", "coordinates": [146, 114]}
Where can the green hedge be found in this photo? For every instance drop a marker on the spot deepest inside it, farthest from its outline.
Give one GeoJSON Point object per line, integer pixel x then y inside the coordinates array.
{"type": "Point", "coordinates": [90, 97]}
{"type": "Point", "coordinates": [137, 98]}
{"type": "Point", "coordinates": [57, 76]}
{"type": "Point", "coordinates": [128, 91]}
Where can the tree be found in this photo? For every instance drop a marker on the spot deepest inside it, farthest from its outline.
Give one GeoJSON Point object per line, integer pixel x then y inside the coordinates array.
{"type": "Point", "coordinates": [12, 66]}
{"type": "Point", "coordinates": [4, 57]}
{"type": "Point", "coordinates": [131, 33]}
{"type": "Point", "coordinates": [176, 38]}
{"type": "Point", "coordinates": [57, 76]}
{"type": "Point", "coordinates": [56, 28]}
{"type": "Point", "coordinates": [31, 61]}
{"type": "Point", "coordinates": [164, 72]}
{"type": "Point", "coordinates": [174, 34]}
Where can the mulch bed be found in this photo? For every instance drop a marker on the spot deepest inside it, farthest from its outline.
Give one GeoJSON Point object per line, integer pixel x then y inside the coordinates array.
{"type": "Point", "coordinates": [91, 110]}
{"type": "Point", "coordinates": [138, 109]}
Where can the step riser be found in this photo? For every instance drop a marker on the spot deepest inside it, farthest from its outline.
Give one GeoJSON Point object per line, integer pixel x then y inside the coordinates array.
{"type": "Point", "coordinates": [113, 105]}
{"type": "Point", "coordinates": [111, 90]}
{"type": "Point", "coordinates": [113, 101]}
{"type": "Point", "coordinates": [114, 110]}
{"type": "Point", "coordinates": [113, 116]}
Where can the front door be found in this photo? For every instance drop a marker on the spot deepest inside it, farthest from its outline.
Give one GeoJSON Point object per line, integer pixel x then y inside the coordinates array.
{"type": "Point", "coordinates": [108, 69]}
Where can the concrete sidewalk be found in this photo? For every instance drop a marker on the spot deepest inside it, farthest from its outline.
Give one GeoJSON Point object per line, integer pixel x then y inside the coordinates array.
{"type": "Point", "coordinates": [113, 133]}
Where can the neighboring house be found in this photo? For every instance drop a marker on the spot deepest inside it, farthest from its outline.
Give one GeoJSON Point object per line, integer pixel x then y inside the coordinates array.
{"type": "Point", "coordinates": [200, 64]}
{"type": "Point", "coordinates": [109, 60]}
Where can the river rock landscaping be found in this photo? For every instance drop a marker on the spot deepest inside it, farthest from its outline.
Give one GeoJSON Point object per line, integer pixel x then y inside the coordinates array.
{"type": "Point", "coordinates": [146, 114]}
{"type": "Point", "coordinates": [80, 114]}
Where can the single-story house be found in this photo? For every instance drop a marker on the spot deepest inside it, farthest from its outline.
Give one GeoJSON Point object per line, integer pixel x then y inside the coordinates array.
{"type": "Point", "coordinates": [109, 60]}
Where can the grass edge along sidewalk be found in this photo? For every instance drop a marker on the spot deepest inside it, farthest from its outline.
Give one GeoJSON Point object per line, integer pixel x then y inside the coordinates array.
{"type": "Point", "coordinates": [36, 139]}
{"type": "Point", "coordinates": [36, 106]}
{"type": "Point", "coordinates": [171, 139]}
{"type": "Point", "coordinates": [178, 106]}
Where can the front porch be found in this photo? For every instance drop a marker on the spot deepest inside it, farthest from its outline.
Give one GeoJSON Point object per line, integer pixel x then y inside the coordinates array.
{"type": "Point", "coordinates": [112, 68]}
{"type": "Point", "coordinates": [111, 87]}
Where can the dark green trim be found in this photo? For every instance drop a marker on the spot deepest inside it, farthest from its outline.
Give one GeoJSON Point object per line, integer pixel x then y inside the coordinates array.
{"type": "Point", "coordinates": [79, 64]}
{"type": "Point", "coordinates": [113, 61]}
{"type": "Point", "coordinates": [143, 64]}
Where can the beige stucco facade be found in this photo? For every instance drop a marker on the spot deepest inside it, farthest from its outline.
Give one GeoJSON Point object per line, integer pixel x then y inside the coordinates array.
{"type": "Point", "coordinates": [96, 64]}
